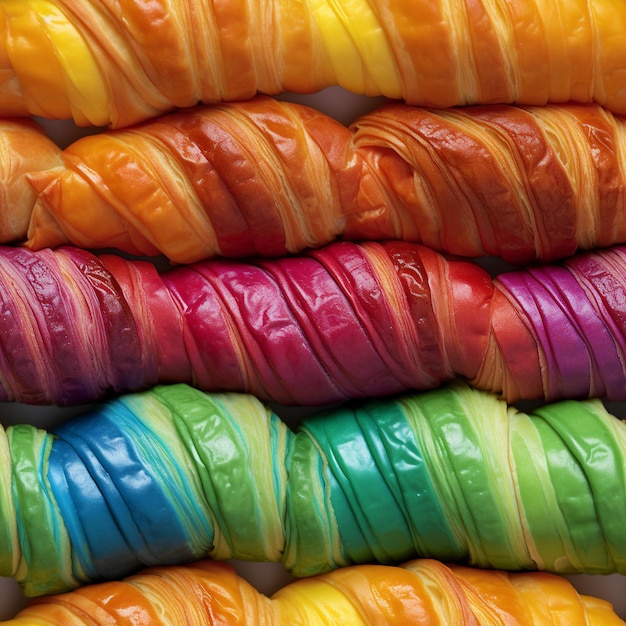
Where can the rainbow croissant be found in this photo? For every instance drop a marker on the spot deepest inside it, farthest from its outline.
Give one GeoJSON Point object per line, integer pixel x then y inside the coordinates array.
{"type": "Point", "coordinates": [266, 178]}
{"type": "Point", "coordinates": [172, 475]}
{"type": "Point", "coordinates": [419, 592]}
{"type": "Point", "coordinates": [345, 321]}
{"type": "Point", "coordinates": [117, 62]}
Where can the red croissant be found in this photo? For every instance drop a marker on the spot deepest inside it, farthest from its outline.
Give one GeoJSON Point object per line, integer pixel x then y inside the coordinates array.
{"type": "Point", "coordinates": [347, 320]}
{"type": "Point", "coordinates": [419, 592]}
{"type": "Point", "coordinates": [265, 178]}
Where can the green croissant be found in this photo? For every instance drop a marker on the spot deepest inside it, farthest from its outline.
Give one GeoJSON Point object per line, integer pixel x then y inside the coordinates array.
{"type": "Point", "coordinates": [173, 474]}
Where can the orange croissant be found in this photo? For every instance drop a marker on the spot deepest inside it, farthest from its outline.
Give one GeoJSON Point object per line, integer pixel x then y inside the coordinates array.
{"type": "Point", "coordinates": [419, 592]}
{"type": "Point", "coordinates": [24, 149]}
{"type": "Point", "coordinates": [119, 61]}
{"type": "Point", "coordinates": [265, 177]}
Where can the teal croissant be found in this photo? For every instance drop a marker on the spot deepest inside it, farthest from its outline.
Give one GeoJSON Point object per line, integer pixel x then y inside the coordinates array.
{"type": "Point", "coordinates": [173, 474]}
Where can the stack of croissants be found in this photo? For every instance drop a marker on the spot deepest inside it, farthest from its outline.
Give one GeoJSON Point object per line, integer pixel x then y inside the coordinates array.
{"type": "Point", "coordinates": [211, 249]}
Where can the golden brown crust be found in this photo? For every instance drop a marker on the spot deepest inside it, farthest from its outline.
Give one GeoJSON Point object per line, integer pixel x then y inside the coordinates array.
{"type": "Point", "coordinates": [418, 592]}
{"type": "Point", "coordinates": [143, 59]}
{"type": "Point", "coordinates": [24, 148]}
{"type": "Point", "coordinates": [264, 177]}
{"type": "Point", "coordinates": [524, 183]}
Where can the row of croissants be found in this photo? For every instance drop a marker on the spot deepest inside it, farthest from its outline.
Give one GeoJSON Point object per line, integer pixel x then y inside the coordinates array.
{"type": "Point", "coordinates": [207, 250]}
{"type": "Point", "coordinates": [266, 177]}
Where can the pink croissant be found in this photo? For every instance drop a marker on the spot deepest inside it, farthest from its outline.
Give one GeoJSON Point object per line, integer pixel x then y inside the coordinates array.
{"type": "Point", "coordinates": [347, 320]}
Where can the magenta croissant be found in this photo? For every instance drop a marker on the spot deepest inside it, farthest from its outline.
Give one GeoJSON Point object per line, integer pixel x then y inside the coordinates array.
{"type": "Point", "coordinates": [345, 321]}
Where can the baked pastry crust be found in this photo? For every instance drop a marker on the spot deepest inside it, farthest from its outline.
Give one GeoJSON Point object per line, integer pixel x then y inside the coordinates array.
{"type": "Point", "coordinates": [344, 321]}
{"type": "Point", "coordinates": [24, 149]}
{"type": "Point", "coordinates": [362, 594]}
{"type": "Point", "coordinates": [115, 62]}
{"type": "Point", "coordinates": [267, 178]}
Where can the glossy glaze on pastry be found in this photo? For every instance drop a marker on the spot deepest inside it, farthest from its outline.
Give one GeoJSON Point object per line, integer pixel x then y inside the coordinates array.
{"type": "Point", "coordinates": [24, 149]}
{"type": "Point", "coordinates": [419, 592]}
{"type": "Point", "coordinates": [172, 475]}
{"type": "Point", "coordinates": [269, 178]}
{"type": "Point", "coordinates": [117, 62]}
{"type": "Point", "coordinates": [345, 321]}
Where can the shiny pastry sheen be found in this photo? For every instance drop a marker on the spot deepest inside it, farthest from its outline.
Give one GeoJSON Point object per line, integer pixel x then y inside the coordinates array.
{"type": "Point", "coordinates": [24, 149]}
{"type": "Point", "coordinates": [345, 321]}
{"type": "Point", "coordinates": [173, 475]}
{"type": "Point", "coordinates": [119, 62]}
{"type": "Point", "coordinates": [418, 592]}
{"type": "Point", "coordinates": [268, 178]}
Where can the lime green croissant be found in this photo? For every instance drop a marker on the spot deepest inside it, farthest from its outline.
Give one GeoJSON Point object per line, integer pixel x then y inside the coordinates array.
{"type": "Point", "coordinates": [173, 474]}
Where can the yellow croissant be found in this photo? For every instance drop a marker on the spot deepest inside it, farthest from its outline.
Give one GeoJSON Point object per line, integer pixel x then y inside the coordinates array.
{"type": "Point", "coordinates": [420, 592]}
{"type": "Point", "coordinates": [118, 61]}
